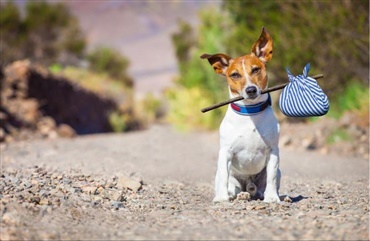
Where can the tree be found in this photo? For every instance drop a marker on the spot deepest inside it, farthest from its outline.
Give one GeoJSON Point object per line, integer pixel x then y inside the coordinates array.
{"type": "Point", "coordinates": [48, 33]}
{"type": "Point", "coordinates": [104, 59]}
{"type": "Point", "coordinates": [332, 35]}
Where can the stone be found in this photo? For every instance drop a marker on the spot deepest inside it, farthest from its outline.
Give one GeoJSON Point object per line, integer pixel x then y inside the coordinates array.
{"type": "Point", "coordinates": [64, 130]}
{"type": "Point", "coordinates": [89, 190]}
{"type": "Point", "coordinates": [44, 201]}
{"type": "Point", "coordinates": [124, 182]}
{"type": "Point", "coordinates": [11, 218]}
{"type": "Point", "coordinates": [35, 200]}
{"type": "Point", "coordinates": [286, 140]}
{"type": "Point", "coordinates": [116, 196]}
{"type": "Point", "coordinates": [116, 204]}
{"type": "Point", "coordinates": [46, 125]}
{"type": "Point", "coordinates": [259, 207]}
{"type": "Point", "coordinates": [2, 134]}
{"type": "Point", "coordinates": [309, 143]}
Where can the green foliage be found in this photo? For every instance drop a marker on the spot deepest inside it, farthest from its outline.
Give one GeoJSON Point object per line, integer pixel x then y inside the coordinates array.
{"type": "Point", "coordinates": [117, 122]}
{"type": "Point", "coordinates": [100, 83]}
{"type": "Point", "coordinates": [200, 85]}
{"type": "Point", "coordinates": [333, 36]}
{"type": "Point", "coordinates": [184, 40]}
{"type": "Point", "coordinates": [56, 68]}
{"type": "Point", "coordinates": [122, 119]}
{"type": "Point", "coordinates": [107, 60]}
{"type": "Point", "coordinates": [338, 135]}
{"type": "Point", "coordinates": [47, 33]}
{"type": "Point", "coordinates": [149, 109]}
{"type": "Point", "coordinates": [11, 32]}
{"type": "Point", "coordinates": [354, 98]}
{"type": "Point", "coordinates": [185, 105]}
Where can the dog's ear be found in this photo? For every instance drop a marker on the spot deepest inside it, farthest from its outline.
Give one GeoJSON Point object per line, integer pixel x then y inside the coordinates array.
{"type": "Point", "coordinates": [219, 62]}
{"type": "Point", "coordinates": [263, 47]}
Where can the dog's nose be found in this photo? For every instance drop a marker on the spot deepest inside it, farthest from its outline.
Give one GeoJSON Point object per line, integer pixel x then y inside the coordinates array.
{"type": "Point", "coordinates": [251, 90]}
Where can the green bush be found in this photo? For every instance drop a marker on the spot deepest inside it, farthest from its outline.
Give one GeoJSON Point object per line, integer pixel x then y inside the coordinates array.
{"type": "Point", "coordinates": [117, 122]}
{"type": "Point", "coordinates": [198, 84]}
{"type": "Point", "coordinates": [100, 83]}
{"type": "Point", "coordinates": [107, 60]}
{"type": "Point", "coordinates": [338, 135]}
{"type": "Point", "coordinates": [47, 33]}
{"type": "Point", "coordinates": [354, 98]}
{"type": "Point", "coordinates": [149, 109]}
{"type": "Point", "coordinates": [333, 36]}
{"type": "Point", "coordinates": [185, 106]}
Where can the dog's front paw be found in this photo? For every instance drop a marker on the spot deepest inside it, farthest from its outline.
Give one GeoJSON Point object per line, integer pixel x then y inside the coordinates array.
{"type": "Point", "coordinates": [219, 199]}
{"type": "Point", "coordinates": [272, 198]}
{"type": "Point", "coordinates": [243, 196]}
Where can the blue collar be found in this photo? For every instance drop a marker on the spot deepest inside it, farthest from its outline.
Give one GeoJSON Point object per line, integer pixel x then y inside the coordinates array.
{"type": "Point", "coordinates": [251, 109]}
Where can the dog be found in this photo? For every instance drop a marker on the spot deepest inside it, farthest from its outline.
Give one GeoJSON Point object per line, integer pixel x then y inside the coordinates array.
{"type": "Point", "coordinates": [248, 161]}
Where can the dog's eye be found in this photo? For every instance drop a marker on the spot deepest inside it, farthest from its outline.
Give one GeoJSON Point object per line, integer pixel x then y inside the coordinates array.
{"type": "Point", "coordinates": [235, 75]}
{"type": "Point", "coordinates": [255, 70]}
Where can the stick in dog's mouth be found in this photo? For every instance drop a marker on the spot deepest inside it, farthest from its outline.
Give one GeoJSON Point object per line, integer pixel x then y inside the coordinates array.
{"type": "Point", "coordinates": [278, 87]}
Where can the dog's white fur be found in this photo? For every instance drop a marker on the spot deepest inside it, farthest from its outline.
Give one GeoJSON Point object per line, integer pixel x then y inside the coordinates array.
{"type": "Point", "coordinates": [249, 155]}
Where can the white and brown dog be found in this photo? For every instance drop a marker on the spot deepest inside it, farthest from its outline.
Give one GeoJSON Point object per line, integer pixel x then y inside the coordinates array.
{"type": "Point", "coordinates": [249, 133]}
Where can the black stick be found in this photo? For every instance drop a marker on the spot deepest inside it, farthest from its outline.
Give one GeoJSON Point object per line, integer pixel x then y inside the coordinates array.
{"type": "Point", "coordinates": [278, 87]}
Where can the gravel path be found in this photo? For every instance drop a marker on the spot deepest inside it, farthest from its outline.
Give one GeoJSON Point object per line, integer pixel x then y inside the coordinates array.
{"type": "Point", "coordinates": [158, 184]}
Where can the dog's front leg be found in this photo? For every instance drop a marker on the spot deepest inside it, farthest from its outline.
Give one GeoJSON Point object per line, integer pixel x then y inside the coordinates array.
{"type": "Point", "coordinates": [222, 177]}
{"type": "Point", "coordinates": [272, 178]}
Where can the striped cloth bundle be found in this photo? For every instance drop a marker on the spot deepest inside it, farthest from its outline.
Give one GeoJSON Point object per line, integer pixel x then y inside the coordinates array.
{"type": "Point", "coordinates": [303, 97]}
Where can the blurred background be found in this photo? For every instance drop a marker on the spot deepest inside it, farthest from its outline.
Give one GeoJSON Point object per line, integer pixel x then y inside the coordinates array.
{"type": "Point", "coordinates": [71, 68]}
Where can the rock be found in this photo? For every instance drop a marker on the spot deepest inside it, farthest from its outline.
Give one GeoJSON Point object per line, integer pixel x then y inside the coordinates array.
{"type": "Point", "coordinates": [346, 119]}
{"type": "Point", "coordinates": [85, 198]}
{"type": "Point", "coordinates": [46, 125]}
{"type": "Point", "coordinates": [2, 134]}
{"type": "Point", "coordinates": [286, 140]}
{"type": "Point", "coordinates": [309, 143]}
{"type": "Point", "coordinates": [89, 190]}
{"type": "Point", "coordinates": [100, 191]}
{"type": "Point", "coordinates": [30, 112]}
{"type": "Point", "coordinates": [124, 182]}
{"type": "Point", "coordinates": [65, 131]}
{"type": "Point", "coordinates": [44, 201]}
{"type": "Point", "coordinates": [116, 204]}
{"type": "Point", "coordinates": [11, 218]}
{"type": "Point", "coordinates": [35, 200]}
{"type": "Point", "coordinates": [259, 207]}
{"type": "Point", "coordinates": [116, 196]}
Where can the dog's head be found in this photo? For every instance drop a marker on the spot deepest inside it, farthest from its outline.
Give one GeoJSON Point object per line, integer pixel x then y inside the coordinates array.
{"type": "Point", "coordinates": [246, 75]}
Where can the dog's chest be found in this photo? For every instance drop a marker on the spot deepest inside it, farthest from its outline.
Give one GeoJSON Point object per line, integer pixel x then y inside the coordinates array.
{"type": "Point", "coordinates": [249, 152]}
{"type": "Point", "coordinates": [248, 141]}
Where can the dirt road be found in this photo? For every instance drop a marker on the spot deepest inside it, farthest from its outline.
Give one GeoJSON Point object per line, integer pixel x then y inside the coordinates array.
{"type": "Point", "coordinates": [158, 184]}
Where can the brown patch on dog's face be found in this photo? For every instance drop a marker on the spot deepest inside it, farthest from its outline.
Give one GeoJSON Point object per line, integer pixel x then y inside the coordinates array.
{"type": "Point", "coordinates": [246, 75]}
{"type": "Point", "coordinates": [246, 71]}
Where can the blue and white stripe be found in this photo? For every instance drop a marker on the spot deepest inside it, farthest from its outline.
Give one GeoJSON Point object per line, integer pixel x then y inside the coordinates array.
{"type": "Point", "coordinates": [303, 97]}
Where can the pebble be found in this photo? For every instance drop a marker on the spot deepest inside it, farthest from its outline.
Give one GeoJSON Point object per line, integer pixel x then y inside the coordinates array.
{"type": "Point", "coordinates": [116, 204]}
{"type": "Point", "coordinates": [11, 218]}
{"type": "Point", "coordinates": [131, 184]}
{"type": "Point", "coordinates": [174, 206]}
{"type": "Point", "coordinates": [44, 201]}
{"type": "Point", "coordinates": [89, 189]}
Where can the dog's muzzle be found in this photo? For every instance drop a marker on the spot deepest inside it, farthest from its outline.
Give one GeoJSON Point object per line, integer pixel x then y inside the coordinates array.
{"type": "Point", "coordinates": [251, 92]}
